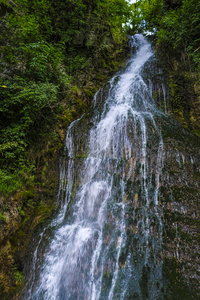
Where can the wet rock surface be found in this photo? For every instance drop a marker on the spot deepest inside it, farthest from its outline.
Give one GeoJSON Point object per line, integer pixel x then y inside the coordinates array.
{"type": "Point", "coordinates": [180, 201]}
{"type": "Point", "coordinates": [129, 224]}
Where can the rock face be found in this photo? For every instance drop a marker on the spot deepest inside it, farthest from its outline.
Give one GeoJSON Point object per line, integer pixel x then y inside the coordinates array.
{"type": "Point", "coordinates": [179, 190]}
{"type": "Point", "coordinates": [176, 90]}
{"type": "Point", "coordinates": [180, 200]}
{"type": "Point", "coordinates": [24, 211]}
{"type": "Point", "coordinates": [128, 227]}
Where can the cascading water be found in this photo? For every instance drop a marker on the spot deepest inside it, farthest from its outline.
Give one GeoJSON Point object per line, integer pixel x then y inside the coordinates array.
{"type": "Point", "coordinates": [107, 238]}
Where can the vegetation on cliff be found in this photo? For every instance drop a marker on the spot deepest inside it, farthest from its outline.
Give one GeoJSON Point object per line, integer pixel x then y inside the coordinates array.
{"type": "Point", "coordinates": [45, 47]}
{"type": "Point", "coordinates": [176, 25]}
{"type": "Point", "coordinates": [53, 57]}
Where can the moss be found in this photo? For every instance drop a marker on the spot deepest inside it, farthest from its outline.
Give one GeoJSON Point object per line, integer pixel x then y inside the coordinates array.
{"type": "Point", "coordinates": [176, 288]}
{"type": "Point", "coordinates": [25, 195]}
{"type": "Point", "coordinates": [2, 217]}
{"type": "Point", "coordinates": [81, 156]}
{"type": "Point", "coordinates": [144, 282]}
{"type": "Point", "coordinates": [179, 193]}
{"type": "Point", "coordinates": [196, 132]}
{"type": "Point", "coordinates": [44, 211]}
{"type": "Point", "coordinates": [30, 208]}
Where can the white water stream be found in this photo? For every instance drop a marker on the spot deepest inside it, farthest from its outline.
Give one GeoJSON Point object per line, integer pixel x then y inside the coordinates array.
{"type": "Point", "coordinates": [107, 244]}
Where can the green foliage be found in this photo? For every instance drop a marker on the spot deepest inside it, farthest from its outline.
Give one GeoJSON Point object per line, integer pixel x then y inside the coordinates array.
{"type": "Point", "coordinates": [177, 24]}
{"type": "Point", "coordinates": [24, 105]}
{"type": "Point", "coordinates": [48, 44]}
{"type": "Point", "coordinates": [2, 217]}
{"type": "Point", "coordinates": [151, 11]}
{"type": "Point", "coordinates": [48, 50]}
{"type": "Point", "coordinates": [12, 182]}
{"type": "Point", "coordinates": [44, 211]}
{"type": "Point", "coordinates": [18, 275]}
{"type": "Point", "coordinates": [37, 63]}
{"type": "Point", "coordinates": [9, 183]}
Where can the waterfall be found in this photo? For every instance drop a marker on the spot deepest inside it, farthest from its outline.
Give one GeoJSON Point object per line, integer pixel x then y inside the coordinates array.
{"type": "Point", "coordinates": [106, 242]}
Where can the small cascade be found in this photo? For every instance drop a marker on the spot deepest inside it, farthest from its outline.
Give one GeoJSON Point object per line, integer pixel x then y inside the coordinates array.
{"type": "Point", "coordinates": [131, 41]}
{"type": "Point", "coordinates": [107, 238]}
{"type": "Point", "coordinates": [164, 97]}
